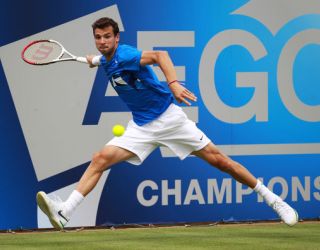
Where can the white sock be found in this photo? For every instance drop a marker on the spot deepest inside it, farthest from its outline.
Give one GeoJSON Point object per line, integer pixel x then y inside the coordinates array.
{"type": "Point", "coordinates": [73, 202]}
{"type": "Point", "coordinates": [267, 195]}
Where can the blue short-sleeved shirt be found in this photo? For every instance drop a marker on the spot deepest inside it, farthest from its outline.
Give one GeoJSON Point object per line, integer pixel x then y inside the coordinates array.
{"type": "Point", "coordinates": [137, 85]}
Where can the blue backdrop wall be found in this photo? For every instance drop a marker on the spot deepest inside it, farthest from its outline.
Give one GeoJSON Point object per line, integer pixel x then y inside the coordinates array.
{"type": "Point", "coordinates": [254, 66]}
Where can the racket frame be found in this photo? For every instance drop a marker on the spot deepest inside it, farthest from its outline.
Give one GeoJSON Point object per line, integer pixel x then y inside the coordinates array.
{"type": "Point", "coordinates": [58, 59]}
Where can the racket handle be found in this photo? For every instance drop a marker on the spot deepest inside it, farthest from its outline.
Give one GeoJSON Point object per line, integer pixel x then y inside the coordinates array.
{"type": "Point", "coordinates": [81, 59]}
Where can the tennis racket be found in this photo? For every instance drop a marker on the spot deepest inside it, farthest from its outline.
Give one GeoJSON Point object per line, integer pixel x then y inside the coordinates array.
{"type": "Point", "coordinates": [43, 52]}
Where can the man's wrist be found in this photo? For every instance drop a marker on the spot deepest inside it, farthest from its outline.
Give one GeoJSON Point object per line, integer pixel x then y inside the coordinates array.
{"type": "Point", "coordinates": [169, 83]}
{"type": "Point", "coordinates": [175, 81]}
{"type": "Point", "coordinates": [96, 60]}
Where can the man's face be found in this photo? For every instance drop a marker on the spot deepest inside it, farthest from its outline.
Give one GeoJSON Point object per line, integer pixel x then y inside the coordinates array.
{"type": "Point", "coordinates": [106, 41]}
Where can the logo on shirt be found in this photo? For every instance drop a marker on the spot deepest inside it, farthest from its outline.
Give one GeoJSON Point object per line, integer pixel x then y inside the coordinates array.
{"type": "Point", "coordinates": [117, 81]}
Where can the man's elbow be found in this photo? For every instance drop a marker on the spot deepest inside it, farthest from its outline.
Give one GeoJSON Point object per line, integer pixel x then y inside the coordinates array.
{"type": "Point", "coordinates": [160, 55]}
{"type": "Point", "coordinates": [154, 57]}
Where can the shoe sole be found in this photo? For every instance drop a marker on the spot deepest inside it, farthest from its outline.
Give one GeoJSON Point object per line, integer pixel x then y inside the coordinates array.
{"type": "Point", "coordinates": [297, 219]}
{"type": "Point", "coordinates": [41, 201]}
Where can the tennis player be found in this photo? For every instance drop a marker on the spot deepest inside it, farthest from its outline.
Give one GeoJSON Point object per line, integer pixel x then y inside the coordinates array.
{"type": "Point", "coordinates": [156, 120]}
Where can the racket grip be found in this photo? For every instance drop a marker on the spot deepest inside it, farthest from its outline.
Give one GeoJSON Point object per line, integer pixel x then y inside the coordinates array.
{"type": "Point", "coordinates": [81, 59]}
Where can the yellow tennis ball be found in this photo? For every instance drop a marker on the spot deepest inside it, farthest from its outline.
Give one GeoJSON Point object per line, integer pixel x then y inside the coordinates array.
{"type": "Point", "coordinates": [118, 130]}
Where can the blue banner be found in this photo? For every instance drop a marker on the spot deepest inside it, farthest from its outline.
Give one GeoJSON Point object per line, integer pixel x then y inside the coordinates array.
{"type": "Point", "coordinates": [252, 64]}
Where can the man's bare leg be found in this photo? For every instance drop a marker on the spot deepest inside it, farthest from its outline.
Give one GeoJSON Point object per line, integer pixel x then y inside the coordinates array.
{"type": "Point", "coordinates": [59, 213]}
{"type": "Point", "coordinates": [216, 158]}
{"type": "Point", "coordinates": [101, 161]}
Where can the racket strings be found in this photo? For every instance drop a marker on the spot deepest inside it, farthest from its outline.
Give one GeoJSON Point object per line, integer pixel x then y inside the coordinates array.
{"type": "Point", "coordinates": [42, 52]}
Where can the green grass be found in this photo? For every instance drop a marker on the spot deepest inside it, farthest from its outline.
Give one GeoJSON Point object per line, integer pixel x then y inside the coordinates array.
{"type": "Point", "coordinates": [255, 236]}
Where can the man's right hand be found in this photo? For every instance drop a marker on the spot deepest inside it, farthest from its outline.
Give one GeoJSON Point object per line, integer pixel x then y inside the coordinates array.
{"type": "Point", "coordinates": [93, 60]}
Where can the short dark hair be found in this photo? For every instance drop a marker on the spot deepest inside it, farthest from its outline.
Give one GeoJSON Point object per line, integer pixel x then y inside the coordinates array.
{"type": "Point", "coordinates": [105, 22]}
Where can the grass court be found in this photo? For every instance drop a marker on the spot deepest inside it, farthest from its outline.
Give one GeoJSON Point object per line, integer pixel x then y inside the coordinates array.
{"type": "Point", "coordinates": [222, 236]}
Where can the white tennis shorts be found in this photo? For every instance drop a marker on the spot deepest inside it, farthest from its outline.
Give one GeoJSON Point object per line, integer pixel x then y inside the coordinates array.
{"type": "Point", "coordinates": [172, 129]}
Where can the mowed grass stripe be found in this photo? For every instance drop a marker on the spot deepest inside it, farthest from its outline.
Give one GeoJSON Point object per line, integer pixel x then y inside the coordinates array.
{"type": "Point", "coordinates": [255, 236]}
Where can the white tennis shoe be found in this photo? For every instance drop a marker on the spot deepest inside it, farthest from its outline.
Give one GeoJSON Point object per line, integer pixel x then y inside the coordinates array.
{"type": "Point", "coordinates": [53, 209]}
{"type": "Point", "coordinates": [286, 213]}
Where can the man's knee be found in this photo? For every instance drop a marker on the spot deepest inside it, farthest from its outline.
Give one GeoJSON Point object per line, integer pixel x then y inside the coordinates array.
{"type": "Point", "coordinates": [224, 163]}
{"type": "Point", "coordinates": [100, 160]}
